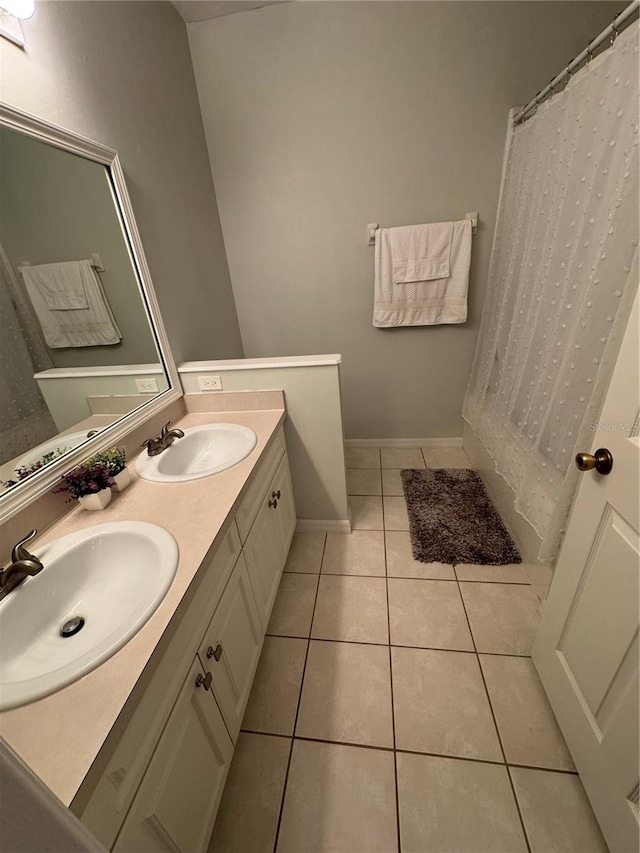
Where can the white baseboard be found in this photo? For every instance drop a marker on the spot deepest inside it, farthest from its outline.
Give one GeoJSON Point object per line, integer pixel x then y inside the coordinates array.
{"type": "Point", "coordinates": [403, 442]}
{"type": "Point", "coordinates": [319, 525]}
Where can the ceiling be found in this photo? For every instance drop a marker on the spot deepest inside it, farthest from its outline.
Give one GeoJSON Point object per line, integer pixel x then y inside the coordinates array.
{"type": "Point", "coordinates": [205, 10]}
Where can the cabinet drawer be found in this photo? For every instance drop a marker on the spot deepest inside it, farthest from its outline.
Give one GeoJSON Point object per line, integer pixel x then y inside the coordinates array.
{"type": "Point", "coordinates": [114, 792]}
{"type": "Point", "coordinates": [250, 505]}
{"type": "Point", "coordinates": [176, 804]}
{"type": "Point", "coordinates": [231, 647]}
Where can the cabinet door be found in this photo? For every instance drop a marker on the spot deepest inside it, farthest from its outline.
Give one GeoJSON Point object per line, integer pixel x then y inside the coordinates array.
{"type": "Point", "coordinates": [285, 514]}
{"type": "Point", "coordinates": [263, 552]}
{"type": "Point", "coordinates": [231, 647]}
{"type": "Point", "coordinates": [176, 804]}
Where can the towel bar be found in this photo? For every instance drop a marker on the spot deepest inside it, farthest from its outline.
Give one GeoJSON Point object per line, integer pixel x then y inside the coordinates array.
{"type": "Point", "coordinates": [372, 227]}
{"type": "Point", "coordinates": [96, 262]}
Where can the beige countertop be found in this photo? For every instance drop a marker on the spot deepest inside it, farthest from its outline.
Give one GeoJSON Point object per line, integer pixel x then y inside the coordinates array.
{"type": "Point", "coordinates": [60, 736]}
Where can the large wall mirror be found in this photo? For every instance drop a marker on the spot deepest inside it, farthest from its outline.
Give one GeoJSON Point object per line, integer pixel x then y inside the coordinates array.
{"type": "Point", "coordinates": [83, 352]}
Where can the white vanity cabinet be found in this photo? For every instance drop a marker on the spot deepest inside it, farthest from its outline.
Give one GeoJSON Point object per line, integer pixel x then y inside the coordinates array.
{"type": "Point", "coordinates": [162, 785]}
{"type": "Point", "coordinates": [175, 807]}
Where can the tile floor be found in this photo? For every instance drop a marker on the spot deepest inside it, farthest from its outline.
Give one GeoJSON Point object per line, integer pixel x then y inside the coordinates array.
{"type": "Point", "coordinates": [396, 706]}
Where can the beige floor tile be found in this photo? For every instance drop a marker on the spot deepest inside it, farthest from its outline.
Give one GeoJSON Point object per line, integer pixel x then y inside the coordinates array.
{"type": "Point", "coordinates": [441, 705]}
{"type": "Point", "coordinates": [449, 806]}
{"type": "Point", "coordinates": [527, 725]}
{"type": "Point", "coordinates": [427, 614]}
{"type": "Point", "coordinates": [346, 694]}
{"type": "Point", "coordinates": [503, 617]}
{"type": "Point", "coordinates": [340, 799]}
{"type": "Point", "coordinates": [391, 482]}
{"type": "Point", "coordinates": [248, 814]}
{"type": "Point", "coordinates": [359, 553]}
{"type": "Point", "coordinates": [364, 481]}
{"type": "Point", "coordinates": [401, 457]}
{"type": "Point", "coordinates": [305, 554]}
{"type": "Point", "coordinates": [538, 573]}
{"type": "Point", "coordinates": [293, 607]}
{"type": "Point", "coordinates": [556, 813]}
{"type": "Point", "coordinates": [366, 513]}
{"type": "Point", "coordinates": [492, 574]}
{"type": "Point", "coordinates": [395, 514]}
{"type": "Point", "coordinates": [351, 608]}
{"type": "Point", "coordinates": [541, 590]}
{"type": "Point", "coordinates": [274, 696]}
{"type": "Point", "coordinates": [400, 562]}
{"type": "Point", "coordinates": [445, 457]}
{"type": "Point", "coordinates": [362, 457]}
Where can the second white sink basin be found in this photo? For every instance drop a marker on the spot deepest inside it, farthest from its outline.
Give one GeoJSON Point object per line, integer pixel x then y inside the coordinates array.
{"type": "Point", "coordinates": [59, 444]}
{"type": "Point", "coordinates": [97, 589]}
{"type": "Point", "coordinates": [203, 451]}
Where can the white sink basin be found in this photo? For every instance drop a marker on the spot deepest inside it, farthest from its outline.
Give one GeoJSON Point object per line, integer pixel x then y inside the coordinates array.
{"type": "Point", "coordinates": [59, 444]}
{"type": "Point", "coordinates": [203, 451]}
{"type": "Point", "coordinates": [113, 576]}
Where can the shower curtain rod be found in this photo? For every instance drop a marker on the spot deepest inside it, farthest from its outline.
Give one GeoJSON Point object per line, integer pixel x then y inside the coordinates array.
{"type": "Point", "coordinates": [612, 29]}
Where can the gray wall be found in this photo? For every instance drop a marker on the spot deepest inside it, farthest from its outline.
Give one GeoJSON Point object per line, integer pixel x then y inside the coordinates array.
{"type": "Point", "coordinates": [120, 73]}
{"type": "Point", "coordinates": [55, 207]}
{"type": "Point", "coordinates": [321, 117]}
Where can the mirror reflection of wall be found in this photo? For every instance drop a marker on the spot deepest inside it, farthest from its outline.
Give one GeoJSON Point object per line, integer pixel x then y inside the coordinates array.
{"type": "Point", "coordinates": [56, 207]}
{"type": "Point", "coordinates": [76, 337]}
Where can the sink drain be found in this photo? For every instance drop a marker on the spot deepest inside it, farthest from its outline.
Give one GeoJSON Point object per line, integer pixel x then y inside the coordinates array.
{"type": "Point", "coordinates": [72, 626]}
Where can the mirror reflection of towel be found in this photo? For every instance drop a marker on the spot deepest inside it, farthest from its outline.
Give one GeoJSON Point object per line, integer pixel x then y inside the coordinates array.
{"type": "Point", "coordinates": [71, 305]}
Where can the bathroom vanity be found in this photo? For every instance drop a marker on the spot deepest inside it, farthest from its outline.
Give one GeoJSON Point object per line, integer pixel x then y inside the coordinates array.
{"type": "Point", "coordinates": [140, 747]}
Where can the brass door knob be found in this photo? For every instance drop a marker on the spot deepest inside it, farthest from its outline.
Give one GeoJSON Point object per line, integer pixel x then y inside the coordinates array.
{"type": "Point", "coordinates": [602, 461]}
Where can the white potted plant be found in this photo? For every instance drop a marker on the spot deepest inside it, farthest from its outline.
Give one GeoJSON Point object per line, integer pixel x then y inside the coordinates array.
{"type": "Point", "coordinates": [115, 461]}
{"type": "Point", "coordinates": [89, 484]}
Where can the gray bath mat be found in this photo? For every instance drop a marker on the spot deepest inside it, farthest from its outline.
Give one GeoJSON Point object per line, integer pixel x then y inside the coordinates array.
{"type": "Point", "coordinates": [452, 519]}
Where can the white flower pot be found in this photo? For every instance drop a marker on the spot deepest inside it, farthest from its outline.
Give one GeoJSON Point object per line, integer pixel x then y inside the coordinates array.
{"type": "Point", "coordinates": [121, 480]}
{"type": "Point", "coordinates": [98, 500]}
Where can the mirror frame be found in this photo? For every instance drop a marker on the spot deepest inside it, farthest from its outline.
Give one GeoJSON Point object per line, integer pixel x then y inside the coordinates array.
{"type": "Point", "coordinates": [40, 483]}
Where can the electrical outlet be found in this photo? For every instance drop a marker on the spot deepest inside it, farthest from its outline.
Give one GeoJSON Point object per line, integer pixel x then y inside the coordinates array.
{"type": "Point", "coordinates": [147, 386]}
{"type": "Point", "coordinates": [210, 383]}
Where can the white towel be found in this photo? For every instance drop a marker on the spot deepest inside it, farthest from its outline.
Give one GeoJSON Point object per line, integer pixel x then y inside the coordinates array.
{"type": "Point", "coordinates": [422, 274]}
{"type": "Point", "coordinates": [90, 326]}
{"type": "Point", "coordinates": [60, 285]}
{"type": "Point", "coordinates": [421, 252]}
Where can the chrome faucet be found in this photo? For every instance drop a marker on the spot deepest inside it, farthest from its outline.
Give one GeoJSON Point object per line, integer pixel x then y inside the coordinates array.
{"type": "Point", "coordinates": [165, 439]}
{"type": "Point", "coordinates": [23, 565]}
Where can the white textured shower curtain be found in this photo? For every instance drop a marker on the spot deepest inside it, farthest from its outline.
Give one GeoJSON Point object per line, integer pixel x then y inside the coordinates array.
{"type": "Point", "coordinates": [563, 271]}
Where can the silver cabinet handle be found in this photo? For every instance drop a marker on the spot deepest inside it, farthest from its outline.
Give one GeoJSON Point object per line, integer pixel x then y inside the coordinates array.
{"type": "Point", "coordinates": [204, 681]}
{"type": "Point", "coordinates": [215, 653]}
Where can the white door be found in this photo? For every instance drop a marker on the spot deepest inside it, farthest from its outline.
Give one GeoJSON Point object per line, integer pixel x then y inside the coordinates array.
{"type": "Point", "coordinates": [265, 560]}
{"type": "Point", "coordinates": [176, 804]}
{"type": "Point", "coordinates": [586, 651]}
{"type": "Point", "coordinates": [285, 515]}
{"type": "Point", "coordinates": [231, 647]}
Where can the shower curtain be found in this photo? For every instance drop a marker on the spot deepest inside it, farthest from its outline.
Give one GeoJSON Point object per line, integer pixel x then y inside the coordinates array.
{"type": "Point", "coordinates": [564, 268]}
{"type": "Point", "coordinates": [25, 420]}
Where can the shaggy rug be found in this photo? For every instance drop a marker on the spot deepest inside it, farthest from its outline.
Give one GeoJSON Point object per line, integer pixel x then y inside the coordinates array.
{"type": "Point", "coordinates": [452, 519]}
